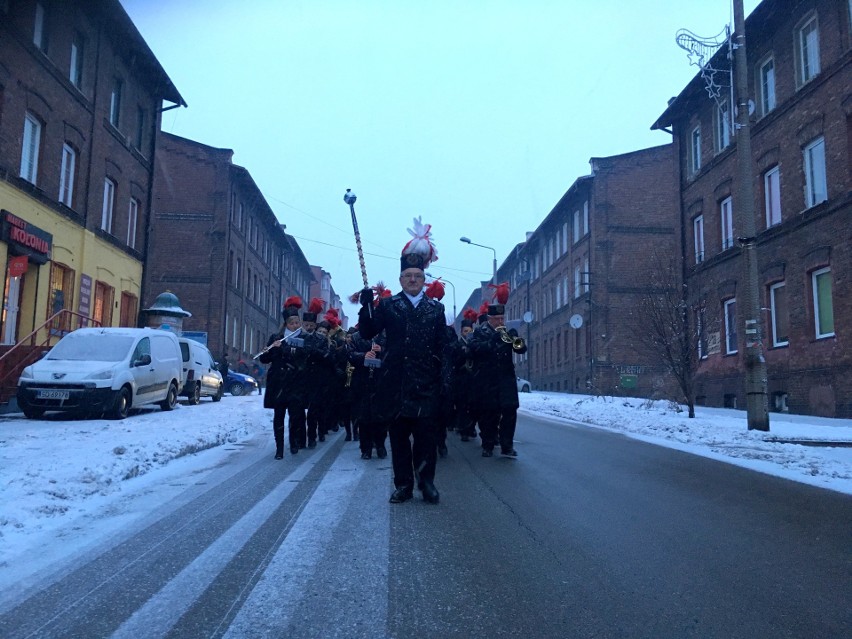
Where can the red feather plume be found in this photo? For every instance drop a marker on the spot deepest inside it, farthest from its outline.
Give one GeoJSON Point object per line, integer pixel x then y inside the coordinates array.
{"type": "Point", "coordinates": [316, 305]}
{"type": "Point", "coordinates": [293, 301]}
{"type": "Point", "coordinates": [501, 292]}
{"type": "Point", "coordinates": [355, 297]}
{"type": "Point", "coordinates": [435, 290]}
{"type": "Point", "coordinates": [483, 309]}
{"type": "Point", "coordinates": [469, 314]}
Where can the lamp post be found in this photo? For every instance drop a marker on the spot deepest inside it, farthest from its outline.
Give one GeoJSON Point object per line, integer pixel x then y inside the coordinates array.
{"type": "Point", "coordinates": [454, 293]}
{"type": "Point", "coordinates": [528, 314]}
{"type": "Point", "coordinates": [466, 240]}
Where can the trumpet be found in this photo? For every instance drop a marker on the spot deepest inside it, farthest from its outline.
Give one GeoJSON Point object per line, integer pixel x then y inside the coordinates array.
{"type": "Point", "coordinates": [517, 342]}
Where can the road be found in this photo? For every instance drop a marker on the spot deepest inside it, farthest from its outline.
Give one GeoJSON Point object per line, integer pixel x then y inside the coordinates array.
{"type": "Point", "coordinates": [586, 534]}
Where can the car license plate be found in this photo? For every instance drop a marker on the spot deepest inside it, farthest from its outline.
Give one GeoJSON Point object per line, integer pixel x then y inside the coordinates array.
{"type": "Point", "coordinates": [53, 394]}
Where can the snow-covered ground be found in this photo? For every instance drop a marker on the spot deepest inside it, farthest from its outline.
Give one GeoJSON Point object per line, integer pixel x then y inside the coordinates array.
{"type": "Point", "coordinates": [56, 472]}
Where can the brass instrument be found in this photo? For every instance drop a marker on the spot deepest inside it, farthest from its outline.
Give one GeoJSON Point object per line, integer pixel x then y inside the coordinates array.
{"type": "Point", "coordinates": [349, 369]}
{"type": "Point", "coordinates": [517, 342]}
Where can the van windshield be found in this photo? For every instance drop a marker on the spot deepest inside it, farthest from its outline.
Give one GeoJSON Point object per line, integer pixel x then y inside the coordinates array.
{"type": "Point", "coordinates": [97, 348]}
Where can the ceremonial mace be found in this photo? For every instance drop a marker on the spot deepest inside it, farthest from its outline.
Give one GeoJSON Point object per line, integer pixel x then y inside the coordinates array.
{"type": "Point", "coordinates": [349, 197]}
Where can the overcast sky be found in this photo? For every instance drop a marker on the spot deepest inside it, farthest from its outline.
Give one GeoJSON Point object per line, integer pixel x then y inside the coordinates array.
{"type": "Point", "coordinates": [475, 115]}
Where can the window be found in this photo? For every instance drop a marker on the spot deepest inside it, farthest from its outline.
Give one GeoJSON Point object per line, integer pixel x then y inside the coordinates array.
{"type": "Point", "coordinates": [695, 150]}
{"type": "Point", "coordinates": [587, 276]}
{"type": "Point", "coordinates": [723, 126]}
{"type": "Point", "coordinates": [30, 148]}
{"type": "Point", "coordinates": [565, 235]}
{"type": "Point", "coordinates": [727, 215]}
{"type": "Point", "coordinates": [577, 280]}
{"type": "Point", "coordinates": [127, 314]}
{"type": "Point", "coordinates": [772, 196]}
{"type": "Point", "coordinates": [698, 235]}
{"type": "Point", "coordinates": [61, 294]}
{"type": "Point", "coordinates": [807, 51]}
{"type": "Point", "coordinates": [576, 226]}
{"type": "Point", "coordinates": [816, 188]}
{"type": "Point", "coordinates": [823, 305]}
{"type": "Point", "coordinates": [778, 310]}
{"type": "Point", "coordinates": [767, 86]}
{"type": "Point", "coordinates": [40, 27]}
{"type": "Point", "coordinates": [66, 175]}
{"type": "Point", "coordinates": [731, 326]}
{"type": "Point", "coordinates": [585, 218]}
{"type": "Point", "coordinates": [75, 71]}
{"type": "Point", "coordinates": [132, 219]}
{"type": "Point", "coordinates": [140, 127]}
{"type": "Point", "coordinates": [115, 103]}
{"type": "Point", "coordinates": [108, 206]}
{"type": "Point", "coordinates": [104, 295]}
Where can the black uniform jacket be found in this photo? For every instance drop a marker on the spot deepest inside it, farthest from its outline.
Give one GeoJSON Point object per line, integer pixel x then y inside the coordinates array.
{"type": "Point", "coordinates": [364, 386]}
{"type": "Point", "coordinates": [415, 370]}
{"type": "Point", "coordinates": [494, 384]}
{"type": "Point", "coordinates": [287, 381]}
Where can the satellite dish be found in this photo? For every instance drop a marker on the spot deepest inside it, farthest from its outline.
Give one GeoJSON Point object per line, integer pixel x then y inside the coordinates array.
{"type": "Point", "coordinates": [528, 317]}
{"type": "Point", "coordinates": [576, 320]}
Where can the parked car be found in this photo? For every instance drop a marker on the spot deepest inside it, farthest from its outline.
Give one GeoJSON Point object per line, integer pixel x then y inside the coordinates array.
{"type": "Point", "coordinates": [523, 385]}
{"type": "Point", "coordinates": [240, 384]}
{"type": "Point", "coordinates": [201, 377]}
{"type": "Point", "coordinates": [104, 371]}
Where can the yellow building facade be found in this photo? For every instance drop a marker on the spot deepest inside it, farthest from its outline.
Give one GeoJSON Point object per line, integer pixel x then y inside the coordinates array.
{"type": "Point", "coordinates": [53, 263]}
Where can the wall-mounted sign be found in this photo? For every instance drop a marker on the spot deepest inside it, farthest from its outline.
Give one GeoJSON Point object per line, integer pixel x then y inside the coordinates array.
{"type": "Point", "coordinates": [18, 265]}
{"type": "Point", "coordinates": [27, 239]}
{"type": "Point", "coordinates": [84, 307]}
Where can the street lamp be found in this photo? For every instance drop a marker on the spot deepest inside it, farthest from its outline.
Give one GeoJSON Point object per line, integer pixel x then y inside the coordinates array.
{"type": "Point", "coordinates": [528, 313]}
{"type": "Point", "coordinates": [454, 293]}
{"type": "Point", "coordinates": [466, 240]}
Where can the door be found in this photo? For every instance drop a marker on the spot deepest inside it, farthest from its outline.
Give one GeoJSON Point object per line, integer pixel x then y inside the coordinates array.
{"type": "Point", "coordinates": [11, 305]}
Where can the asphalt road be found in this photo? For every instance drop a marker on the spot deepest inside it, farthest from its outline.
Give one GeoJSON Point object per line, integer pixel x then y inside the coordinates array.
{"type": "Point", "coordinates": [586, 534]}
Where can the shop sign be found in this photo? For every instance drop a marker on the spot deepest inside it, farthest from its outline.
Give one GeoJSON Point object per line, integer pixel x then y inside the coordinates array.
{"type": "Point", "coordinates": [84, 306]}
{"type": "Point", "coordinates": [26, 238]}
{"type": "Point", "coordinates": [18, 265]}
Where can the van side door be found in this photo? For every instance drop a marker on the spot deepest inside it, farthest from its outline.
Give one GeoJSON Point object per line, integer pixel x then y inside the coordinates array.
{"type": "Point", "coordinates": [142, 368]}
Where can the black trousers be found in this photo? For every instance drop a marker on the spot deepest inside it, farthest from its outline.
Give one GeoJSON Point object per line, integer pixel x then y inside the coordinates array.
{"type": "Point", "coordinates": [414, 449]}
{"type": "Point", "coordinates": [370, 434]}
{"type": "Point", "coordinates": [498, 426]}
{"type": "Point", "coordinates": [297, 425]}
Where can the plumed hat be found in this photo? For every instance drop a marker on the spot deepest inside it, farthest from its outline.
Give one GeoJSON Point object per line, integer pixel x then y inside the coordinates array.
{"type": "Point", "coordinates": [418, 252]}
{"type": "Point", "coordinates": [469, 316]}
{"type": "Point", "coordinates": [332, 317]}
{"type": "Point", "coordinates": [291, 306]}
{"type": "Point", "coordinates": [483, 312]}
{"type": "Point", "coordinates": [314, 309]}
{"type": "Point", "coordinates": [501, 294]}
{"type": "Point", "coordinates": [435, 290]}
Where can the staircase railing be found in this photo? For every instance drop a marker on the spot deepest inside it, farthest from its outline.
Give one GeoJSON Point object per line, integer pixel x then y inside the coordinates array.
{"type": "Point", "coordinates": [29, 349]}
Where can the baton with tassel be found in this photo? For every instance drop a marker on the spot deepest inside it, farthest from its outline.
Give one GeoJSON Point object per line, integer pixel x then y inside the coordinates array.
{"type": "Point", "coordinates": [349, 197]}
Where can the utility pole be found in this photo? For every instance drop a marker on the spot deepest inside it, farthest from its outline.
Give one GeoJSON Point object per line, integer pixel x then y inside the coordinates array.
{"type": "Point", "coordinates": [749, 312]}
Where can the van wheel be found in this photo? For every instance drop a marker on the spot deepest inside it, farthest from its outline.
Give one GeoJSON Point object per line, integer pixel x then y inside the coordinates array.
{"type": "Point", "coordinates": [195, 394]}
{"type": "Point", "coordinates": [171, 398]}
{"type": "Point", "coordinates": [32, 413]}
{"type": "Point", "coordinates": [219, 392]}
{"type": "Point", "coordinates": [122, 404]}
{"type": "Point", "coordinates": [237, 389]}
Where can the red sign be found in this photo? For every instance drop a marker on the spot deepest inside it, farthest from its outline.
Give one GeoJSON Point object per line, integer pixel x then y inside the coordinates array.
{"type": "Point", "coordinates": [18, 265]}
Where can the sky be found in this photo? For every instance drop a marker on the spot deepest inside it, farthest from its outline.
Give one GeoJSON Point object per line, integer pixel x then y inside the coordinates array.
{"type": "Point", "coordinates": [476, 117]}
{"type": "Point", "coordinates": [63, 494]}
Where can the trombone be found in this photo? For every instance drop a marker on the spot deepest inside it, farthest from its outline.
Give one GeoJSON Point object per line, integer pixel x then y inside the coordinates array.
{"type": "Point", "coordinates": [517, 342]}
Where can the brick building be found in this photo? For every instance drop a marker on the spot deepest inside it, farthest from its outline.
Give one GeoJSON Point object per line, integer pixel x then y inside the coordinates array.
{"type": "Point", "coordinates": [80, 101]}
{"type": "Point", "coordinates": [585, 261]}
{"type": "Point", "coordinates": [800, 82]}
{"type": "Point", "coordinates": [321, 287]}
{"type": "Point", "coordinates": [218, 246]}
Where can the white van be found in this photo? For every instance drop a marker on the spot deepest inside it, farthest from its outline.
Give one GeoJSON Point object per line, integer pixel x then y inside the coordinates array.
{"type": "Point", "coordinates": [104, 371]}
{"type": "Point", "coordinates": [201, 376]}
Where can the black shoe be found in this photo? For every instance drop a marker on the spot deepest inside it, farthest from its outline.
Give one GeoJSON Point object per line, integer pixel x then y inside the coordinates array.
{"type": "Point", "coordinates": [322, 438]}
{"type": "Point", "coordinates": [335, 428]}
{"type": "Point", "coordinates": [312, 443]}
{"type": "Point", "coordinates": [294, 450]}
{"type": "Point", "coordinates": [430, 493]}
{"type": "Point", "coordinates": [487, 452]}
{"type": "Point", "coordinates": [402, 494]}
{"type": "Point", "coordinates": [279, 453]}
{"type": "Point", "coordinates": [381, 452]}
{"type": "Point", "coordinates": [366, 456]}
{"type": "Point", "coordinates": [348, 438]}
{"type": "Point", "coordinates": [442, 452]}
{"type": "Point", "coordinates": [509, 453]}
{"type": "Point", "coordinates": [355, 437]}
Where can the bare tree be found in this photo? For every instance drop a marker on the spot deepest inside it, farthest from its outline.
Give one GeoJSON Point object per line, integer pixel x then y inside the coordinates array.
{"type": "Point", "coordinates": [667, 326]}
